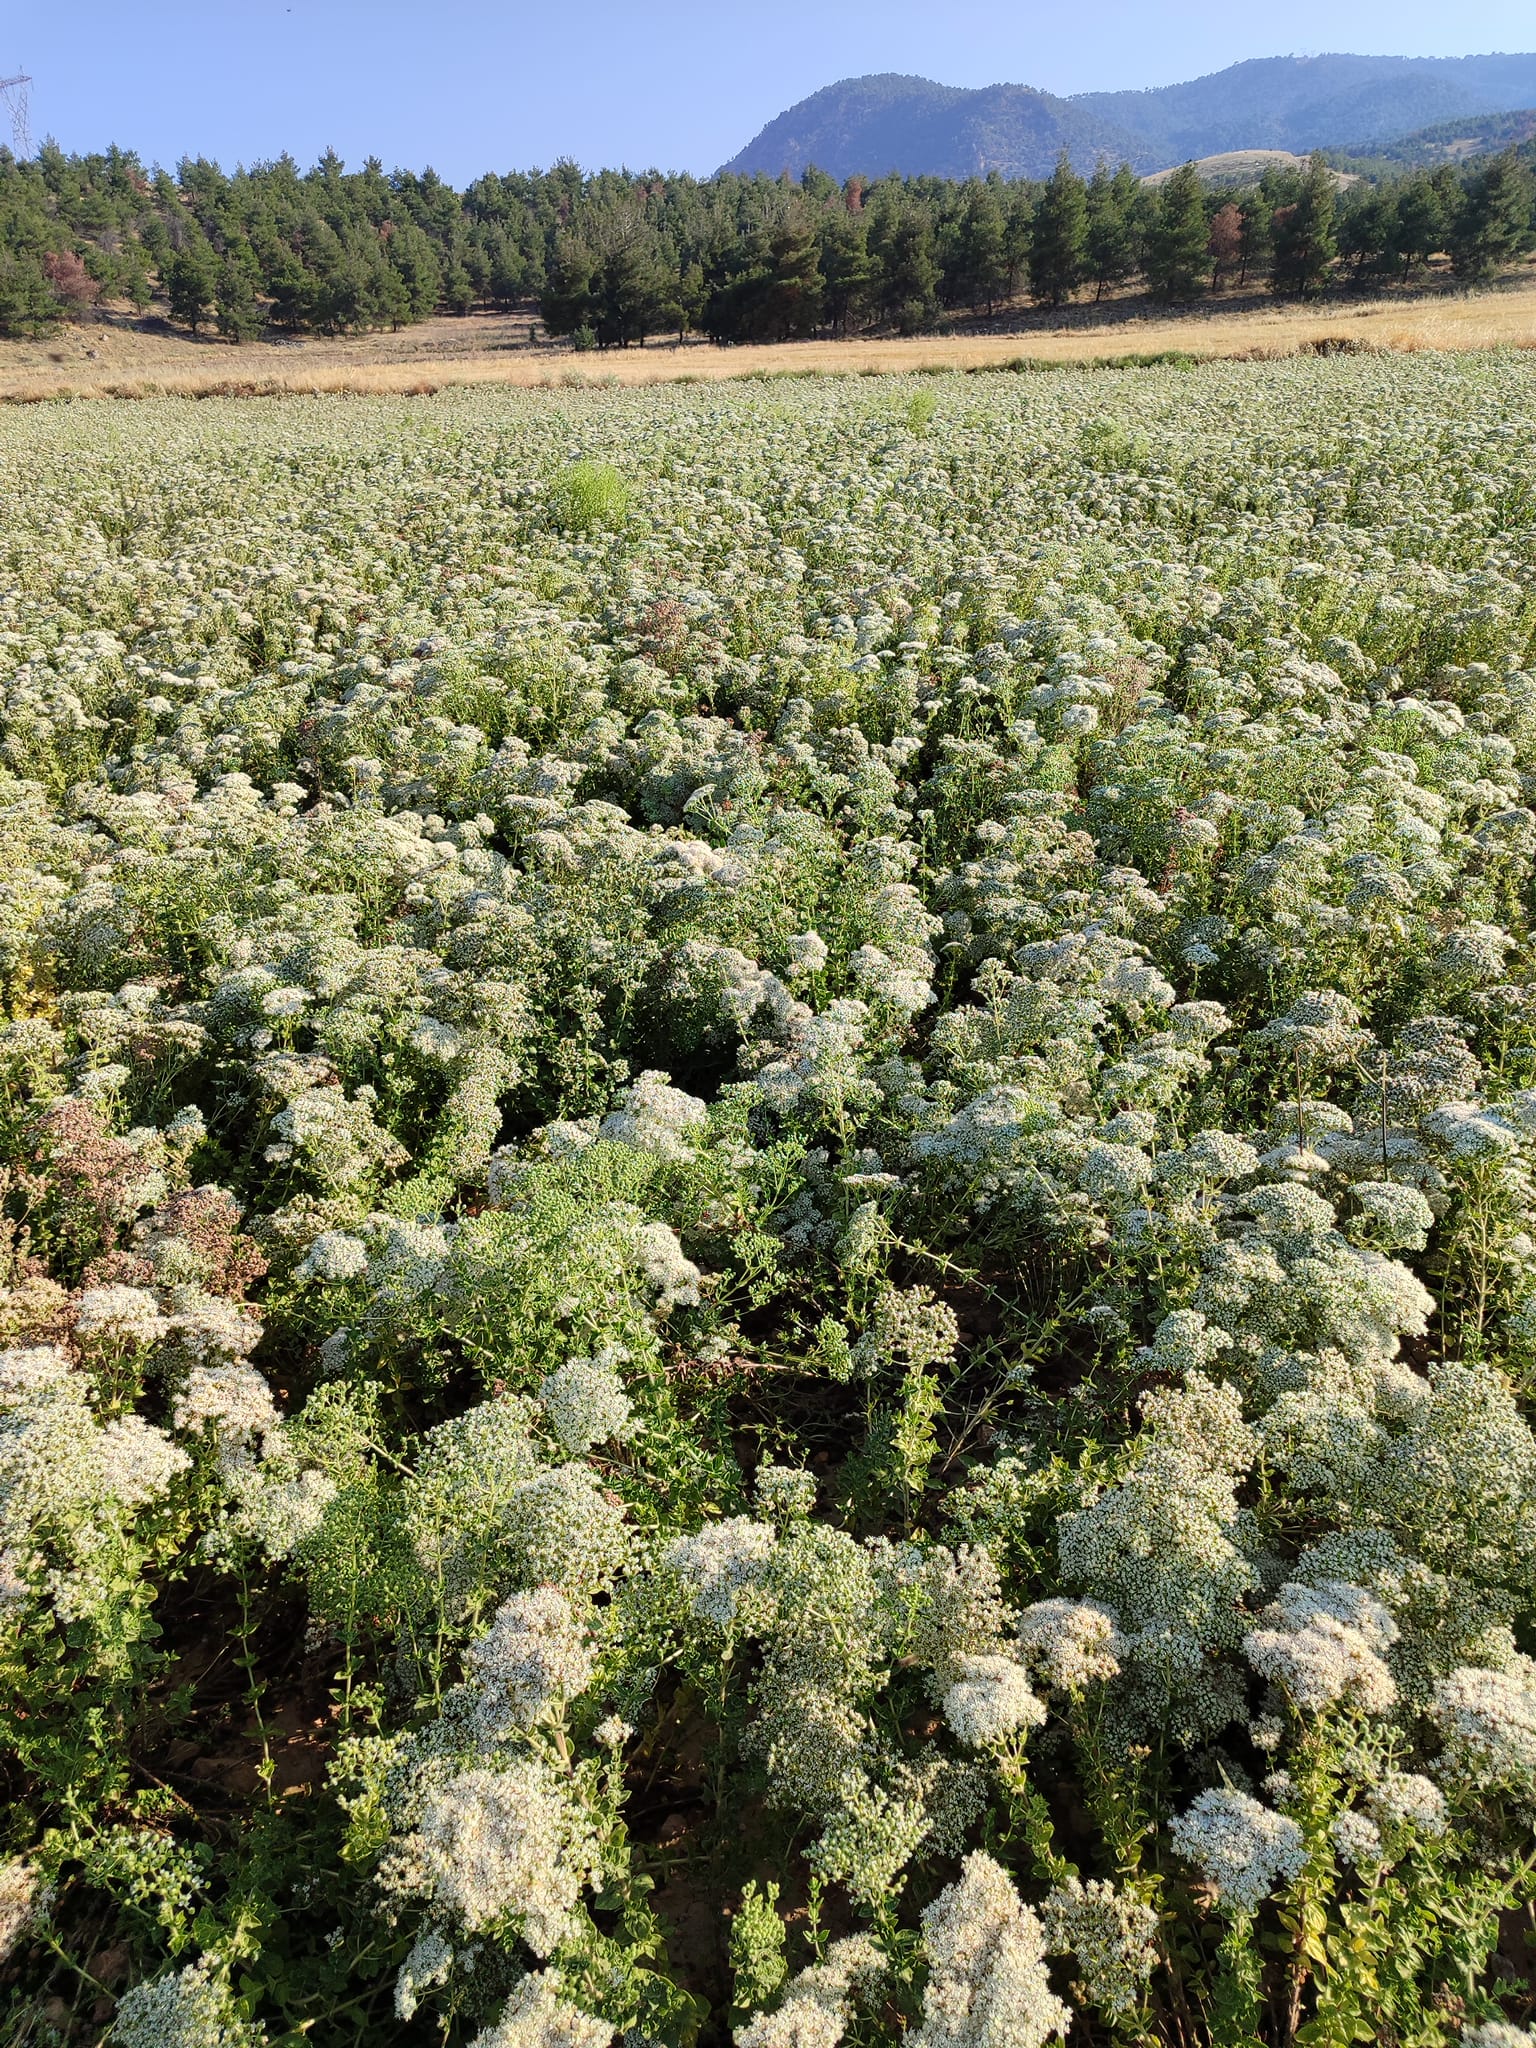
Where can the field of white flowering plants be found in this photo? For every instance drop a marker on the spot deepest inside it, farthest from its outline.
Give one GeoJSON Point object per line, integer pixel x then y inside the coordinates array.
{"type": "Point", "coordinates": [768, 1199]}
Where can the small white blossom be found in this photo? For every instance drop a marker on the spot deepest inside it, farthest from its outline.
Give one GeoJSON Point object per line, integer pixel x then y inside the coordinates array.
{"type": "Point", "coordinates": [534, 1657]}
{"type": "Point", "coordinates": [720, 1564]}
{"type": "Point", "coordinates": [1242, 1848]}
{"type": "Point", "coordinates": [990, 1700]}
{"type": "Point", "coordinates": [586, 1402]}
{"type": "Point", "coordinates": [1070, 1643]}
{"type": "Point", "coordinates": [535, 2016]}
{"type": "Point", "coordinates": [988, 1986]}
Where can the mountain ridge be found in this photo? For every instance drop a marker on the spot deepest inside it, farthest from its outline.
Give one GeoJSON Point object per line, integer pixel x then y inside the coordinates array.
{"type": "Point", "coordinates": [891, 121]}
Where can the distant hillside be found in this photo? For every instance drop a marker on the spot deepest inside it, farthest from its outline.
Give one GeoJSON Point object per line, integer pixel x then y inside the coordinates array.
{"type": "Point", "coordinates": [887, 122]}
{"type": "Point", "coordinates": [892, 123]}
{"type": "Point", "coordinates": [1305, 103]}
{"type": "Point", "coordinates": [1238, 168]}
{"type": "Point", "coordinates": [1454, 142]}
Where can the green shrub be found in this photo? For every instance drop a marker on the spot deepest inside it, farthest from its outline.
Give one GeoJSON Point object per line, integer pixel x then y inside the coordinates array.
{"type": "Point", "coordinates": [921, 407]}
{"type": "Point", "coordinates": [589, 495]}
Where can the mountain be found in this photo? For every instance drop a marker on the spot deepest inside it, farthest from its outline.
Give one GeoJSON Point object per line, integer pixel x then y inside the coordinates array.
{"type": "Point", "coordinates": [1305, 103]}
{"type": "Point", "coordinates": [887, 122]}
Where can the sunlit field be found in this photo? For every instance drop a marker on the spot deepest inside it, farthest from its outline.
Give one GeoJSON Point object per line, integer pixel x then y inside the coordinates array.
{"type": "Point", "coordinates": [443, 353]}
{"type": "Point", "coordinates": [769, 1189]}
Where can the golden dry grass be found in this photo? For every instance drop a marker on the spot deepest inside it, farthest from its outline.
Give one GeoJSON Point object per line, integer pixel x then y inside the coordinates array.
{"type": "Point", "coordinates": [447, 353]}
{"type": "Point", "coordinates": [1246, 166]}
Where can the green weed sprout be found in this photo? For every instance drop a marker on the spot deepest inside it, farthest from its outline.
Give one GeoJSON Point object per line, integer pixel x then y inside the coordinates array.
{"type": "Point", "coordinates": [589, 495]}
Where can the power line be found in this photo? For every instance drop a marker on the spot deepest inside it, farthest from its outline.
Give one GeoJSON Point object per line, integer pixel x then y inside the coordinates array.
{"type": "Point", "coordinates": [13, 93]}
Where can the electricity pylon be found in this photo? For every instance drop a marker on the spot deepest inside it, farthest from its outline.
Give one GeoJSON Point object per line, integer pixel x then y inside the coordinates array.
{"type": "Point", "coordinates": [13, 93]}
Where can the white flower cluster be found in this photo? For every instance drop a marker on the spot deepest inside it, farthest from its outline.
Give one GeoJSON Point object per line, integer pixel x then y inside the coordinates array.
{"type": "Point", "coordinates": [506, 1847]}
{"type": "Point", "coordinates": [234, 1403]}
{"type": "Point", "coordinates": [276, 1514]}
{"type": "Point", "coordinates": [991, 1700]}
{"type": "Point", "coordinates": [1323, 1644]}
{"type": "Point", "coordinates": [1242, 1848]}
{"type": "Point", "coordinates": [721, 1565]}
{"type": "Point", "coordinates": [1071, 1644]}
{"type": "Point", "coordinates": [784, 1491]}
{"type": "Point", "coordinates": [536, 2016]}
{"type": "Point", "coordinates": [988, 1986]}
{"type": "Point", "coordinates": [565, 1530]}
{"type": "Point", "coordinates": [656, 1117]}
{"type": "Point", "coordinates": [1112, 1935]}
{"type": "Point", "coordinates": [585, 1400]}
{"type": "Point", "coordinates": [814, 2009]}
{"type": "Point", "coordinates": [534, 1657]}
{"type": "Point", "coordinates": [1487, 1722]}
{"type": "Point", "coordinates": [67, 1479]}
{"type": "Point", "coordinates": [190, 2008]}
{"type": "Point", "coordinates": [1407, 1799]}
{"type": "Point", "coordinates": [1158, 1550]}
{"type": "Point", "coordinates": [118, 1315]}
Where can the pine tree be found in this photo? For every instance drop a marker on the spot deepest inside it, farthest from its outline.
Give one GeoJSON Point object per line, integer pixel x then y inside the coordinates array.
{"type": "Point", "coordinates": [911, 270]}
{"type": "Point", "coordinates": [1258, 214]}
{"type": "Point", "coordinates": [1492, 225]}
{"type": "Point", "coordinates": [1367, 234]}
{"type": "Point", "coordinates": [1178, 246]}
{"type": "Point", "coordinates": [1110, 236]}
{"type": "Point", "coordinates": [846, 269]}
{"type": "Point", "coordinates": [793, 298]}
{"type": "Point", "coordinates": [236, 311]}
{"type": "Point", "coordinates": [1059, 235]}
{"type": "Point", "coordinates": [1305, 241]}
{"type": "Point", "coordinates": [568, 302]}
{"type": "Point", "coordinates": [982, 270]}
{"type": "Point", "coordinates": [1018, 223]}
{"type": "Point", "coordinates": [27, 306]}
{"type": "Point", "coordinates": [191, 283]}
{"type": "Point", "coordinates": [1420, 225]}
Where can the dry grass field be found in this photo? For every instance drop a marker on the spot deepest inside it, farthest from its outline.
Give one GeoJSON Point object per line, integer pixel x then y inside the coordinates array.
{"type": "Point", "coordinates": [110, 359]}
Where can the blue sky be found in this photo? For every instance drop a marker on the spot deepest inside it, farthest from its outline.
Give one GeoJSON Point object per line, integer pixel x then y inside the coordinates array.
{"type": "Point", "coordinates": [469, 86]}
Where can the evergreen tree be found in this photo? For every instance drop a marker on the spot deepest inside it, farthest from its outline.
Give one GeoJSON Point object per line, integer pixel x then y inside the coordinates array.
{"type": "Point", "coordinates": [793, 298]}
{"type": "Point", "coordinates": [1305, 242]}
{"type": "Point", "coordinates": [236, 310]}
{"type": "Point", "coordinates": [1059, 235]}
{"type": "Point", "coordinates": [1110, 235]}
{"type": "Point", "coordinates": [684, 298]}
{"type": "Point", "coordinates": [1420, 225]}
{"type": "Point", "coordinates": [982, 248]}
{"type": "Point", "coordinates": [27, 306]}
{"type": "Point", "coordinates": [191, 284]}
{"type": "Point", "coordinates": [1258, 212]}
{"type": "Point", "coordinates": [569, 301]}
{"type": "Point", "coordinates": [1367, 234]}
{"type": "Point", "coordinates": [911, 272]}
{"type": "Point", "coordinates": [1493, 224]}
{"type": "Point", "coordinates": [1178, 244]}
{"type": "Point", "coordinates": [1018, 223]}
{"type": "Point", "coordinates": [847, 272]}
{"type": "Point", "coordinates": [335, 250]}
{"type": "Point", "coordinates": [458, 288]}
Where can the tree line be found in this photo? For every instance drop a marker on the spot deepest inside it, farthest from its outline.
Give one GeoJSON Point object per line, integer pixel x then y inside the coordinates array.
{"type": "Point", "coordinates": [612, 258]}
